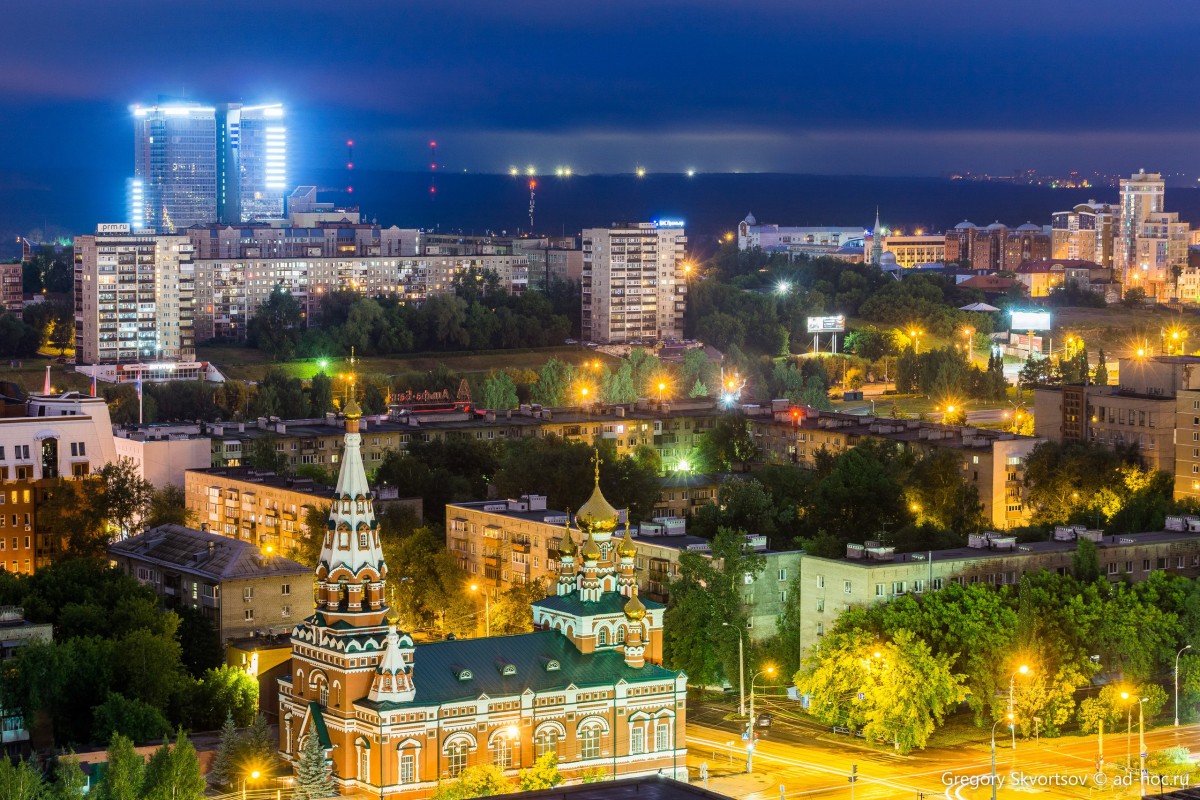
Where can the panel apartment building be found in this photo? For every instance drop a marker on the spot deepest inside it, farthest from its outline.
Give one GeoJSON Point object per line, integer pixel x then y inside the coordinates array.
{"type": "Point", "coordinates": [133, 297]}
{"type": "Point", "coordinates": [870, 573]}
{"type": "Point", "coordinates": [1141, 412]}
{"type": "Point", "coordinates": [634, 282]}
{"type": "Point", "coordinates": [502, 543]}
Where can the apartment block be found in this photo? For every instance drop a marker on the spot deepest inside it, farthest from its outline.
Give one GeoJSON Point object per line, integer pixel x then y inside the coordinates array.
{"type": "Point", "coordinates": [992, 461]}
{"type": "Point", "coordinates": [634, 282]}
{"type": "Point", "coordinates": [1142, 194]}
{"type": "Point", "coordinates": [44, 439]}
{"type": "Point", "coordinates": [265, 509]}
{"type": "Point", "coordinates": [12, 296]}
{"type": "Point", "coordinates": [1085, 233]}
{"type": "Point", "coordinates": [871, 573]}
{"type": "Point", "coordinates": [996, 247]}
{"type": "Point", "coordinates": [1142, 412]}
{"type": "Point", "coordinates": [237, 586]}
{"type": "Point", "coordinates": [503, 543]}
{"type": "Point", "coordinates": [133, 297]}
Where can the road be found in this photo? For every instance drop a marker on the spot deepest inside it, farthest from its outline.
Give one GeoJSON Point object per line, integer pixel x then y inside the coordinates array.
{"type": "Point", "coordinates": [808, 761]}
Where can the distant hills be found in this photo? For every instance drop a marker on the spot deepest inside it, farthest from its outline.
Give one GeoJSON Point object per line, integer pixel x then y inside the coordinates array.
{"type": "Point", "coordinates": [61, 201]}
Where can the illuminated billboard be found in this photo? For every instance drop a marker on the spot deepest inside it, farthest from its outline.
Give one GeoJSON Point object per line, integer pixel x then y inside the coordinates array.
{"type": "Point", "coordinates": [827, 324]}
{"type": "Point", "coordinates": [1030, 320]}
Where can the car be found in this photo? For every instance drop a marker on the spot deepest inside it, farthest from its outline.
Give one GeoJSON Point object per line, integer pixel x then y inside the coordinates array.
{"type": "Point", "coordinates": [764, 720]}
{"type": "Point", "coordinates": [571, 341]}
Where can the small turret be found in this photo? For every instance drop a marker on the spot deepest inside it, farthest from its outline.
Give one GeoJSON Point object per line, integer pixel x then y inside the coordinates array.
{"type": "Point", "coordinates": [627, 553]}
{"type": "Point", "coordinates": [635, 647]}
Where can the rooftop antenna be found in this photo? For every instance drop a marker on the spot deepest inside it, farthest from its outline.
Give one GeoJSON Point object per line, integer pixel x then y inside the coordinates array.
{"type": "Point", "coordinates": [349, 164]}
{"type": "Point", "coordinates": [532, 187]}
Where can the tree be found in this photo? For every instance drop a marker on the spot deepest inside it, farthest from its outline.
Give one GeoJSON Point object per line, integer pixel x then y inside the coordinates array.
{"type": "Point", "coordinates": [905, 690]}
{"type": "Point", "coordinates": [120, 716]}
{"type": "Point", "coordinates": [512, 611]}
{"type": "Point", "coordinates": [481, 780]}
{"type": "Point", "coordinates": [224, 768]}
{"type": "Point", "coordinates": [266, 455]}
{"type": "Point", "coordinates": [543, 774]}
{"type": "Point", "coordinates": [259, 747]}
{"type": "Point", "coordinates": [1086, 561]}
{"type": "Point", "coordinates": [552, 382]}
{"type": "Point", "coordinates": [729, 442]}
{"type": "Point", "coordinates": [69, 781]}
{"type": "Point", "coordinates": [21, 781]}
{"type": "Point", "coordinates": [124, 777]}
{"type": "Point", "coordinates": [313, 775]}
{"type": "Point", "coordinates": [499, 392]}
{"type": "Point", "coordinates": [320, 395]}
{"type": "Point", "coordinates": [125, 496]}
{"type": "Point", "coordinates": [698, 389]}
{"type": "Point", "coordinates": [224, 692]}
{"type": "Point", "coordinates": [174, 772]}
{"type": "Point", "coordinates": [938, 492]}
{"type": "Point", "coordinates": [1100, 375]}
{"type": "Point", "coordinates": [275, 327]}
{"type": "Point", "coordinates": [168, 506]}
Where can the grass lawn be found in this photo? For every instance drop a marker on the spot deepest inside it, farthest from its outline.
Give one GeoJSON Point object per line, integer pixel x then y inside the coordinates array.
{"type": "Point", "coordinates": [242, 363]}
{"type": "Point", "coordinates": [31, 375]}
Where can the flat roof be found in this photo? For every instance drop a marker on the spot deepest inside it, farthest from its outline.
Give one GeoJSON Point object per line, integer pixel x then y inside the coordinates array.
{"type": "Point", "coordinates": [1109, 542]}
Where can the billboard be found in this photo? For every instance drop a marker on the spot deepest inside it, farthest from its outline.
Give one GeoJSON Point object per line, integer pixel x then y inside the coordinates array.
{"type": "Point", "coordinates": [1030, 320]}
{"type": "Point", "coordinates": [827, 324]}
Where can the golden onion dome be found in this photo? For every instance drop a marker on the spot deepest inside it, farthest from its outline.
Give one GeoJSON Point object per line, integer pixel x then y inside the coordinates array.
{"type": "Point", "coordinates": [635, 611]}
{"type": "Point", "coordinates": [566, 547]}
{"type": "Point", "coordinates": [352, 410]}
{"type": "Point", "coordinates": [627, 549]}
{"type": "Point", "coordinates": [597, 513]}
{"type": "Point", "coordinates": [591, 550]}
{"type": "Point", "coordinates": [392, 617]}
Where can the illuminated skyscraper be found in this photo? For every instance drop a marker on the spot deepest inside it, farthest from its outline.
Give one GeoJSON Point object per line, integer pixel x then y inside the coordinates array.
{"type": "Point", "coordinates": [175, 160]}
{"type": "Point", "coordinates": [251, 162]}
{"type": "Point", "coordinates": [196, 164]}
{"type": "Point", "coordinates": [634, 282]}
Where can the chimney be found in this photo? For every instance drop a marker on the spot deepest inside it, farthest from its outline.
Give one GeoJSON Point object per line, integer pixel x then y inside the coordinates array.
{"type": "Point", "coordinates": [212, 548]}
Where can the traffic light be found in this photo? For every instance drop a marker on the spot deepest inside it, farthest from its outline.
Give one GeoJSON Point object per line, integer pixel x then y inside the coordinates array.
{"type": "Point", "coordinates": [853, 773]}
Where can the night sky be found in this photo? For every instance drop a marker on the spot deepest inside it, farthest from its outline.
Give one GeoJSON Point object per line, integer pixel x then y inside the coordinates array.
{"type": "Point", "coordinates": [854, 86]}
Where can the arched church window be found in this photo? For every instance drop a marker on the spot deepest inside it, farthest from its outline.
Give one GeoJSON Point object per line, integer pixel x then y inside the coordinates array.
{"type": "Point", "coordinates": [602, 638]}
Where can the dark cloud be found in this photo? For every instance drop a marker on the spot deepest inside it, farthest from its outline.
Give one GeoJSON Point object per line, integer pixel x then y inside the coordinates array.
{"type": "Point", "coordinates": [773, 84]}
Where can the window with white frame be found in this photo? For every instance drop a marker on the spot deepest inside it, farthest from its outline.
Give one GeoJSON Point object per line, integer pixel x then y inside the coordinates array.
{"type": "Point", "coordinates": [589, 741]}
{"type": "Point", "coordinates": [456, 758]}
{"type": "Point", "coordinates": [662, 735]}
{"type": "Point", "coordinates": [408, 768]}
{"type": "Point", "coordinates": [545, 742]}
{"type": "Point", "coordinates": [637, 740]}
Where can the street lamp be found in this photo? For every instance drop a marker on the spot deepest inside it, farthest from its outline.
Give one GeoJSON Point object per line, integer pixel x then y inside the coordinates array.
{"type": "Point", "coordinates": [1177, 655]}
{"type": "Point", "coordinates": [1128, 730]}
{"type": "Point", "coordinates": [915, 335]}
{"type": "Point", "coordinates": [969, 332]}
{"type": "Point", "coordinates": [253, 776]}
{"type": "Point", "coordinates": [661, 386]}
{"type": "Point", "coordinates": [514, 740]}
{"type": "Point", "coordinates": [753, 724]}
{"type": "Point", "coordinates": [1012, 685]}
{"type": "Point", "coordinates": [741, 671]}
{"type": "Point", "coordinates": [1009, 717]}
{"type": "Point", "coordinates": [487, 610]}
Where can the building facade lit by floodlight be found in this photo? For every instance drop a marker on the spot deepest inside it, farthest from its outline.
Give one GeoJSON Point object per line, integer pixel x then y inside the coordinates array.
{"type": "Point", "coordinates": [175, 161]}
{"type": "Point", "coordinates": [251, 161]}
{"type": "Point", "coordinates": [634, 282]}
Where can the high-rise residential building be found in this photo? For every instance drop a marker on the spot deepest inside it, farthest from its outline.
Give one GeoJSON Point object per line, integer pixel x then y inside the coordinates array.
{"type": "Point", "coordinates": [1085, 233]}
{"type": "Point", "coordinates": [1141, 196]}
{"type": "Point", "coordinates": [174, 182]}
{"type": "Point", "coordinates": [634, 282]}
{"type": "Point", "coordinates": [195, 164]}
{"type": "Point", "coordinates": [1160, 255]}
{"type": "Point", "coordinates": [997, 247]}
{"type": "Point", "coordinates": [251, 162]}
{"type": "Point", "coordinates": [133, 297]}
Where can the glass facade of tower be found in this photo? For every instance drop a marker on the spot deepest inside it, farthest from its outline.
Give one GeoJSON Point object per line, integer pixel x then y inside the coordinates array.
{"type": "Point", "coordinates": [252, 162]}
{"type": "Point", "coordinates": [175, 160]}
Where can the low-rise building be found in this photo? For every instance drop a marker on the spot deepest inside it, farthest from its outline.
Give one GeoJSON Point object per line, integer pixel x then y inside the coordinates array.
{"type": "Point", "coordinates": [1043, 278]}
{"type": "Point", "coordinates": [681, 493]}
{"type": "Point", "coordinates": [15, 633]}
{"type": "Point", "coordinates": [265, 509]}
{"type": "Point", "coordinates": [1141, 412]}
{"type": "Point", "coordinates": [992, 461]}
{"type": "Point", "coordinates": [504, 543]}
{"type": "Point", "coordinates": [234, 584]}
{"type": "Point", "coordinates": [871, 573]}
{"type": "Point", "coordinates": [44, 438]}
{"type": "Point", "coordinates": [162, 454]}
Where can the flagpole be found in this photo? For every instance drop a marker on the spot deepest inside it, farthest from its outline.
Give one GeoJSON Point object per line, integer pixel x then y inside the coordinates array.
{"type": "Point", "coordinates": [139, 394]}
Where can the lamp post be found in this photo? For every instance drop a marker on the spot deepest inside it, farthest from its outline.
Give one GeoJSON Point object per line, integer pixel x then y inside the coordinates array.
{"type": "Point", "coordinates": [1012, 686]}
{"type": "Point", "coordinates": [994, 724]}
{"type": "Point", "coordinates": [915, 335]}
{"type": "Point", "coordinates": [661, 386]}
{"type": "Point", "coordinates": [741, 671]}
{"type": "Point", "coordinates": [252, 776]}
{"type": "Point", "coordinates": [1177, 655]}
{"type": "Point", "coordinates": [1128, 731]}
{"type": "Point", "coordinates": [514, 740]}
{"type": "Point", "coordinates": [969, 332]}
{"type": "Point", "coordinates": [752, 724]}
{"type": "Point", "coordinates": [487, 610]}
{"type": "Point", "coordinates": [1141, 744]}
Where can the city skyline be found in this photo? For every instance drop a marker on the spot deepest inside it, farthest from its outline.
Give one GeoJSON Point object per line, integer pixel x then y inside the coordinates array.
{"type": "Point", "coordinates": [854, 90]}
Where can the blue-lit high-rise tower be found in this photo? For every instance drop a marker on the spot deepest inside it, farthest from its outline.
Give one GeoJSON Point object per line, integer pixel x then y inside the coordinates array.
{"type": "Point", "coordinates": [196, 164]}
{"type": "Point", "coordinates": [175, 166]}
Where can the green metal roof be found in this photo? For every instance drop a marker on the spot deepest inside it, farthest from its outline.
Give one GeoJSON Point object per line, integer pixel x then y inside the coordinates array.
{"type": "Point", "coordinates": [437, 667]}
{"type": "Point", "coordinates": [609, 603]}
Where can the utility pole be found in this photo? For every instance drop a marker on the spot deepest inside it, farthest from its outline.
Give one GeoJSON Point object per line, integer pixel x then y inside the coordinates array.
{"type": "Point", "coordinates": [853, 779]}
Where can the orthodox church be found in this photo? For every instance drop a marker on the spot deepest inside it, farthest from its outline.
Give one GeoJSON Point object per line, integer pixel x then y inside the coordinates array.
{"type": "Point", "coordinates": [398, 719]}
